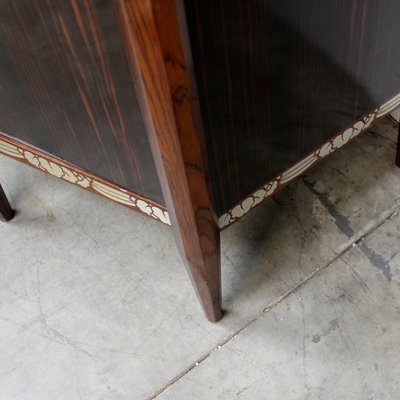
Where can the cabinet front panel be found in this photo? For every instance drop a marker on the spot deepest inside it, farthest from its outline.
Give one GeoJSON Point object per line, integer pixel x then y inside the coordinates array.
{"type": "Point", "coordinates": [66, 87]}
{"type": "Point", "coordinates": [277, 78]}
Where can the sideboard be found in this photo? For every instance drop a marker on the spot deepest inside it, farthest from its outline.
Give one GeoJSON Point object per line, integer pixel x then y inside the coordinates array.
{"type": "Point", "coordinates": [191, 112]}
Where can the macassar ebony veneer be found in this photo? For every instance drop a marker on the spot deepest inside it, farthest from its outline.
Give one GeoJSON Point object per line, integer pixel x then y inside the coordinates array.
{"type": "Point", "coordinates": [192, 112]}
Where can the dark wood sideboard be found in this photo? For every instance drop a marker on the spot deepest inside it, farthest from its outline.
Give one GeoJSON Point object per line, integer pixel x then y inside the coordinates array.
{"type": "Point", "coordinates": [192, 112]}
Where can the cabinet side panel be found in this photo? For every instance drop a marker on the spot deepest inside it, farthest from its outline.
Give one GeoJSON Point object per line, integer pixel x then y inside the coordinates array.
{"type": "Point", "coordinates": [277, 79]}
{"type": "Point", "coordinates": [65, 87]}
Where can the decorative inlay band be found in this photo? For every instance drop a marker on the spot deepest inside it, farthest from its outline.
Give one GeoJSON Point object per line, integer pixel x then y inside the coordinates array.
{"type": "Point", "coordinates": [297, 169]}
{"type": "Point", "coordinates": [56, 167]}
{"type": "Point", "coordinates": [78, 177]}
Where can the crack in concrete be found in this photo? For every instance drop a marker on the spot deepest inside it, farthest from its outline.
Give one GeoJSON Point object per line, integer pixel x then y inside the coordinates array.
{"type": "Point", "coordinates": [303, 347]}
{"type": "Point", "coordinates": [362, 234]}
{"type": "Point", "coordinates": [50, 333]}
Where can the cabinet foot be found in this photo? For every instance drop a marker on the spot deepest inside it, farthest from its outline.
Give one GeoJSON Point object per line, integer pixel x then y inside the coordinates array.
{"type": "Point", "coordinates": [398, 146]}
{"type": "Point", "coordinates": [203, 262]}
{"type": "Point", "coordinates": [6, 212]}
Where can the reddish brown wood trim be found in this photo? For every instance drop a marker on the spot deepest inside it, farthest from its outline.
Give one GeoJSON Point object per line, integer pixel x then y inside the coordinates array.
{"type": "Point", "coordinates": [153, 37]}
{"type": "Point", "coordinates": [34, 157]}
{"type": "Point", "coordinates": [6, 212]}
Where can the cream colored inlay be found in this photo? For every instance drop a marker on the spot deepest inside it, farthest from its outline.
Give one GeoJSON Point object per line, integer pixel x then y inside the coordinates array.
{"type": "Point", "coordinates": [296, 170]}
{"type": "Point", "coordinates": [60, 171]}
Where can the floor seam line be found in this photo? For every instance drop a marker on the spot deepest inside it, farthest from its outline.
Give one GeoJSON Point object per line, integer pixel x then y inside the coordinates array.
{"type": "Point", "coordinates": [353, 242]}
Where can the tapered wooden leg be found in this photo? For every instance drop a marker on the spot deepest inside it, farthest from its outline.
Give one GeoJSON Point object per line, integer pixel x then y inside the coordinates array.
{"type": "Point", "coordinates": [200, 251]}
{"type": "Point", "coordinates": [398, 147]}
{"type": "Point", "coordinates": [6, 212]}
{"type": "Point", "coordinates": [156, 41]}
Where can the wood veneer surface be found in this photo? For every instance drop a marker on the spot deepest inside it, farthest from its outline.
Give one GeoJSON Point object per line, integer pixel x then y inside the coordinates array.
{"type": "Point", "coordinates": [276, 78]}
{"type": "Point", "coordinates": [66, 87]}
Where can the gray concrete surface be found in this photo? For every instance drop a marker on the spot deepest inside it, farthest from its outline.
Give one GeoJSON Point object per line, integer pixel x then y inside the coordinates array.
{"type": "Point", "coordinates": [95, 302]}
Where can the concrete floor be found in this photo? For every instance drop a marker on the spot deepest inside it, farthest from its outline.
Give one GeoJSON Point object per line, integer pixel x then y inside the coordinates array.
{"type": "Point", "coordinates": [95, 302]}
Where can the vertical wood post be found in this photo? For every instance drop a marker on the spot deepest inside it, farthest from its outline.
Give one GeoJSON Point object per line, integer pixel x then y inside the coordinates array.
{"type": "Point", "coordinates": [158, 50]}
{"type": "Point", "coordinates": [6, 212]}
{"type": "Point", "coordinates": [398, 147]}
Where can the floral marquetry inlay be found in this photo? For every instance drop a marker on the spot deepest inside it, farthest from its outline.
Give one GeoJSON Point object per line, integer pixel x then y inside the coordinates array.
{"type": "Point", "coordinates": [300, 167]}
{"type": "Point", "coordinates": [118, 195]}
